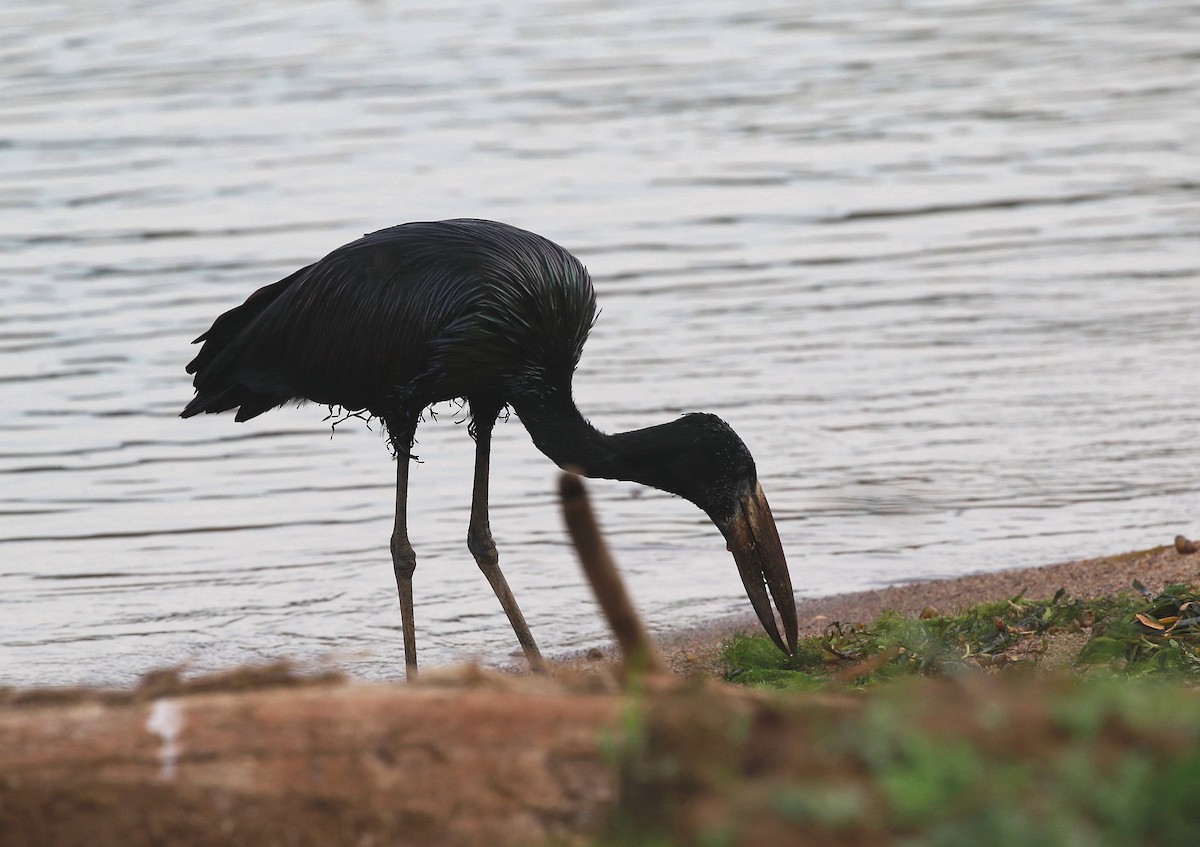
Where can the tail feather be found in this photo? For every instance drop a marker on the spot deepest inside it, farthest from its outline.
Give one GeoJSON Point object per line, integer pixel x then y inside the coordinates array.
{"type": "Point", "coordinates": [230, 324]}
{"type": "Point", "coordinates": [218, 384]}
{"type": "Point", "coordinates": [222, 400]}
{"type": "Point", "coordinates": [254, 405]}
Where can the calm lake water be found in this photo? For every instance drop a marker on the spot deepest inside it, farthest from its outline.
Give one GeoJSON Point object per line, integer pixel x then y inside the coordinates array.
{"type": "Point", "coordinates": [937, 262]}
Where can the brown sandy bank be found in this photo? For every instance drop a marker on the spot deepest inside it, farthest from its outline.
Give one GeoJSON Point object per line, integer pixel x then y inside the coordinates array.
{"type": "Point", "coordinates": [697, 648]}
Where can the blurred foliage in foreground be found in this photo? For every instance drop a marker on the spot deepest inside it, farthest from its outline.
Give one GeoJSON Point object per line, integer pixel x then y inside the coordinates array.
{"type": "Point", "coordinates": [960, 747]}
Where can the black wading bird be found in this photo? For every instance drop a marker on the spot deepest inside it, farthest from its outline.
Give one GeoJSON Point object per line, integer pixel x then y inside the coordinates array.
{"type": "Point", "coordinates": [425, 312]}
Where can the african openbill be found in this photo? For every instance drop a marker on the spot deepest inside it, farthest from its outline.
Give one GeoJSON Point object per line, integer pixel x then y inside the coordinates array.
{"type": "Point", "coordinates": [424, 312]}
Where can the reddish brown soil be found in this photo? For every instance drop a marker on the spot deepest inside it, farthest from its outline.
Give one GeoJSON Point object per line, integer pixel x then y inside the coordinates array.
{"type": "Point", "coordinates": [284, 762]}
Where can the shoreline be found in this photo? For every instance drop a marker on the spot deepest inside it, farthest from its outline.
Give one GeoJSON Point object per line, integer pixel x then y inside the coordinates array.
{"type": "Point", "coordinates": [274, 756]}
{"type": "Point", "coordinates": [695, 649]}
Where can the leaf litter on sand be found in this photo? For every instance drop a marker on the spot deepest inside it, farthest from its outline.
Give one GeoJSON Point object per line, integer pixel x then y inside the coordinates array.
{"type": "Point", "coordinates": [1128, 632]}
{"type": "Point", "coordinates": [1161, 633]}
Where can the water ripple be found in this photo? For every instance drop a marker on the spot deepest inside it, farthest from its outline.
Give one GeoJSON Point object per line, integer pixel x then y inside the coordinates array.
{"type": "Point", "coordinates": [935, 263]}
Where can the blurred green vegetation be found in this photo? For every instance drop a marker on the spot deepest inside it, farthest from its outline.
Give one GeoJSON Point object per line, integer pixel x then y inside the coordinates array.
{"type": "Point", "coordinates": [926, 732]}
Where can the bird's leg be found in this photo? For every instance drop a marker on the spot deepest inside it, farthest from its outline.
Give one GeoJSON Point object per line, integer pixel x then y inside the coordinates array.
{"type": "Point", "coordinates": [483, 548]}
{"type": "Point", "coordinates": [404, 560]}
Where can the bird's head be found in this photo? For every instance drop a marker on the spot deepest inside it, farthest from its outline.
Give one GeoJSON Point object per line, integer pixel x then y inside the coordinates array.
{"type": "Point", "coordinates": [700, 458]}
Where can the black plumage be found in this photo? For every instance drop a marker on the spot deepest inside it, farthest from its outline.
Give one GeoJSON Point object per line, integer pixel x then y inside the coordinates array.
{"type": "Point", "coordinates": [425, 312]}
{"type": "Point", "coordinates": [400, 319]}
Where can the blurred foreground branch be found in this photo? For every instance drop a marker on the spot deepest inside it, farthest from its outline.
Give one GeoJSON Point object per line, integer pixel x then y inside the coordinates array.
{"type": "Point", "coordinates": [638, 652]}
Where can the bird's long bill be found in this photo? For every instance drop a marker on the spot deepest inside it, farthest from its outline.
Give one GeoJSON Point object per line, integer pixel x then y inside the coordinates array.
{"type": "Point", "coordinates": [754, 542]}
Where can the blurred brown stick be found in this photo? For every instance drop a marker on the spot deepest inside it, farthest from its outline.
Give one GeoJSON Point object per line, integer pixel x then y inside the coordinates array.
{"type": "Point", "coordinates": [638, 651]}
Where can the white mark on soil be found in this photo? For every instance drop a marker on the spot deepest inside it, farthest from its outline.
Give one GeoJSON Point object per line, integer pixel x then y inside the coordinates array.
{"type": "Point", "coordinates": [166, 721]}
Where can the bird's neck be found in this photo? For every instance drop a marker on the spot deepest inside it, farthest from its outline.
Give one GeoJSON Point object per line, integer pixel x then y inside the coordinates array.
{"type": "Point", "coordinates": [571, 442]}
